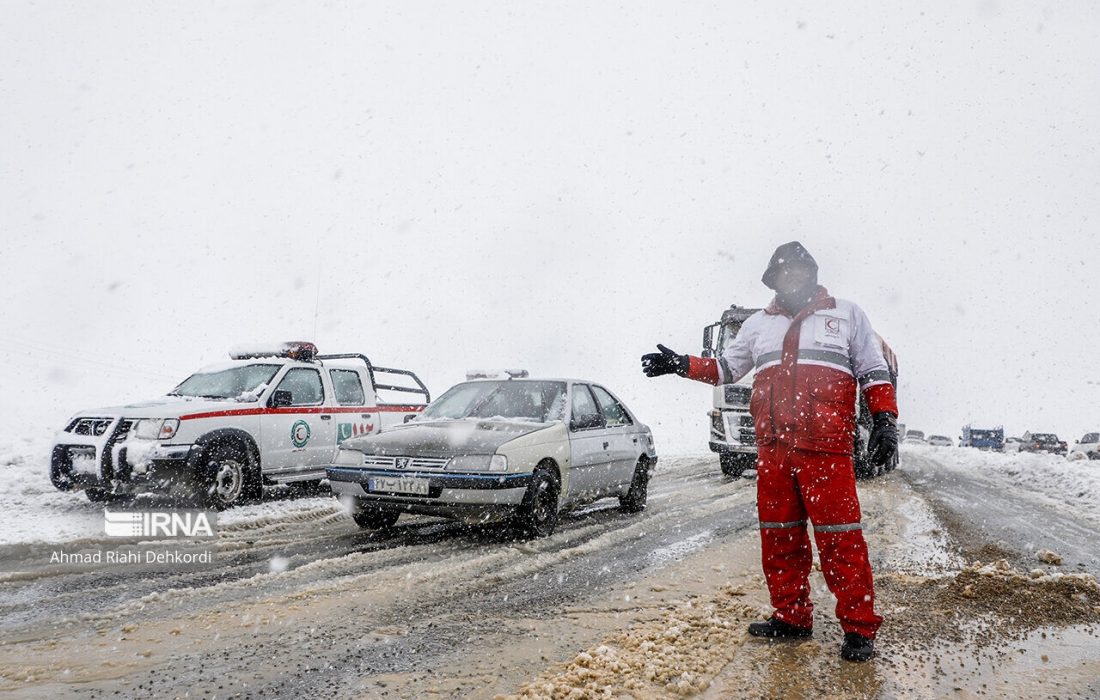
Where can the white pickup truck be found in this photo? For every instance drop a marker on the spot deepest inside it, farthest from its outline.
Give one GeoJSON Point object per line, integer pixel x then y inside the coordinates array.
{"type": "Point", "coordinates": [268, 416]}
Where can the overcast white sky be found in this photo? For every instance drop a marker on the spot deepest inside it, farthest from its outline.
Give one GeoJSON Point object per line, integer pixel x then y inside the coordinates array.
{"type": "Point", "coordinates": [555, 186]}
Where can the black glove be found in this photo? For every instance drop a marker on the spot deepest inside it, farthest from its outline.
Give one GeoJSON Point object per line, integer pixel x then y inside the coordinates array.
{"type": "Point", "coordinates": [882, 446]}
{"type": "Point", "coordinates": [655, 364]}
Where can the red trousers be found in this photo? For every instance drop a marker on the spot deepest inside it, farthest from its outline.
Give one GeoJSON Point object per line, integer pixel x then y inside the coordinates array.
{"type": "Point", "coordinates": [793, 485]}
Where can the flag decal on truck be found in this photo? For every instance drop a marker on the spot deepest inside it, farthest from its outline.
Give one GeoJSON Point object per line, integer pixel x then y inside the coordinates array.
{"type": "Point", "coordinates": [350, 430]}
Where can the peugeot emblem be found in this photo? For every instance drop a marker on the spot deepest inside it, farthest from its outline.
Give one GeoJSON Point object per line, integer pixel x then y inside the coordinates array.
{"type": "Point", "coordinates": [401, 462]}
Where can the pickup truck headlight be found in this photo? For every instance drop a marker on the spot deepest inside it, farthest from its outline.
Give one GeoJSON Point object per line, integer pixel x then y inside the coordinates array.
{"type": "Point", "coordinates": [479, 463]}
{"type": "Point", "coordinates": [156, 428]}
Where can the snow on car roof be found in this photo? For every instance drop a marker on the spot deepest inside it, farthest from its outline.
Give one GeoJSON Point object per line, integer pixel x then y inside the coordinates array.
{"type": "Point", "coordinates": [537, 379]}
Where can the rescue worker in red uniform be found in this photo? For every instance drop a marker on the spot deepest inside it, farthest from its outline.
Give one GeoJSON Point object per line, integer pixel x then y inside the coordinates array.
{"type": "Point", "coordinates": [811, 352]}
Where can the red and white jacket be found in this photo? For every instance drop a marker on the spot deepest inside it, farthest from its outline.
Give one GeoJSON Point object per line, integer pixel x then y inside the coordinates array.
{"type": "Point", "coordinates": [807, 370]}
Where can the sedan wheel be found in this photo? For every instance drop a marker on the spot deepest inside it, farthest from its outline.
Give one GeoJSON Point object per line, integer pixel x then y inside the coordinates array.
{"type": "Point", "coordinates": [635, 498]}
{"type": "Point", "coordinates": [538, 514]}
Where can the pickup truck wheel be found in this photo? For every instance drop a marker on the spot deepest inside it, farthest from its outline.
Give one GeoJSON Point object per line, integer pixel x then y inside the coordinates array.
{"type": "Point", "coordinates": [538, 514]}
{"type": "Point", "coordinates": [228, 477]}
{"type": "Point", "coordinates": [375, 518]}
{"type": "Point", "coordinates": [734, 464]}
{"type": "Point", "coordinates": [634, 499]}
{"type": "Point", "coordinates": [102, 496]}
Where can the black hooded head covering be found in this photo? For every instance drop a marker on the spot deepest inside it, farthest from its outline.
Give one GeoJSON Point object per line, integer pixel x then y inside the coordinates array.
{"type": "Point", "coordinates": [788, 253]}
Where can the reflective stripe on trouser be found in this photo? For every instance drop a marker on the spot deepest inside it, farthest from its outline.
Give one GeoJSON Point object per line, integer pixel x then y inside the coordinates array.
{"type": "Point", "coordinates": [796, 485]}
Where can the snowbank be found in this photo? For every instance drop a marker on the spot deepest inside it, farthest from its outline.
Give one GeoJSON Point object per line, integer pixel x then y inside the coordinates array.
{"type": "Point", "coordinates": [1072, 483]}
{"type": "Point", "coordinates": [31, 509]}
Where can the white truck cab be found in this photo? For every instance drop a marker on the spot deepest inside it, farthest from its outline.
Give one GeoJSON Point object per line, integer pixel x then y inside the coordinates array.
{"type": "Point", "coordinates": [732, 430]}
{"type": "Point", "coordinates": [269, 415]}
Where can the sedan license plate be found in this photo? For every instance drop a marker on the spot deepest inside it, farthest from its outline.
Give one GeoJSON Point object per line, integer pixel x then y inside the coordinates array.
{"type": "Point", "coordinates": [398, 484]}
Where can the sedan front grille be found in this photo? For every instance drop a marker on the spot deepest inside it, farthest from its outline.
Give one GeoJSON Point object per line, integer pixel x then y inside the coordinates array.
{"type": "Point", "coordinates": [402, 462]}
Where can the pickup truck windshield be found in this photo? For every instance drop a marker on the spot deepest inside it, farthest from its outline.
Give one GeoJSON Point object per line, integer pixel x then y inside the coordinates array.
{"type": "Point", "coordinates": [233, 383]}
{"type": "Point", "coordinates": [539, 402]}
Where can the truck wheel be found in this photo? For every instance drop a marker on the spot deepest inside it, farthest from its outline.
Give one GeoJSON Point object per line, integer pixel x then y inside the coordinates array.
{"type": "Point", "coordinates": [103, 496]}
{"type": "Point", "coordinates": [370, 518]}
{"type": "Point", "coordinates": [634, 499]}
{"type": "Point", "coordinates": [734, 464]}
{"type": "Point", "coordinates": [228, 476]}
{"type": "Point", "coordinates": [538, 514]}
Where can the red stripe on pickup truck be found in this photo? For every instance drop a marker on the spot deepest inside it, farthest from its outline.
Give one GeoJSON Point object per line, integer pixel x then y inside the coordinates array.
{"type": "Point", "coordinates": [291, 410]}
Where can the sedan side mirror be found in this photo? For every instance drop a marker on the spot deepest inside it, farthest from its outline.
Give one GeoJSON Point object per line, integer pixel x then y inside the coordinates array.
{"type": "Point", "coordinates": [281, 399]}
{"type": "Point", "coordinates": [585, 422]}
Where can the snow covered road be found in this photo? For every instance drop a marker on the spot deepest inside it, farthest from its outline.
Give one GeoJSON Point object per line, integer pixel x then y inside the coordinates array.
{"type": "Point", "coordinates": [1018, 509]}
{"type": "Point", "coordinates": [299, 602]}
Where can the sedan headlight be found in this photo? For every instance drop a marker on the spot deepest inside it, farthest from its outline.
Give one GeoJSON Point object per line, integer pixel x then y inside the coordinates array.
{"type": "Point", "coordinates": [156, 428]}
{"type": "Point", "coordinates": [479, 463]}
{"type": "Point", "coordinates": [348, 458]}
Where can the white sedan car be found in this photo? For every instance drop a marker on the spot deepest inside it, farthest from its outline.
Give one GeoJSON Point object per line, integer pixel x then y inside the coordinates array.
{"type": "Point", "coordinates": [518, 449]}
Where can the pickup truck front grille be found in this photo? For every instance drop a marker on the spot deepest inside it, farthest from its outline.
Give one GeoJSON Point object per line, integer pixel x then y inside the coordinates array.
{"type": "Point", "coordinates": [411, 463]}
{"type": "Point", "coordinates": [90, 426]}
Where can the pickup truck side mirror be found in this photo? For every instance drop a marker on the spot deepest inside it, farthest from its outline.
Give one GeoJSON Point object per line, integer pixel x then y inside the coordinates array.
{"type": "Point", "coordinates": [281, 398]}
{"type": "Point", "coordinates": [584, 422]}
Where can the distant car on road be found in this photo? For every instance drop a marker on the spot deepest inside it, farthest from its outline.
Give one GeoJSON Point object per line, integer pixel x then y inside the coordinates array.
{"type": "Point", "coordinates": [1042, 442]}
{"type": "Point", "coordinates": [983, 438]}
{"type": "Point", "coordinates": [1088, 447]}
{"type": "Point", "coordinates": [489, 450]}
{"type": "Point", "coordinates": [940, 441]}
{"type": "Point", "coordinates": [914, 437]}
{"type": "Point", "coordinates": [1012, 444]}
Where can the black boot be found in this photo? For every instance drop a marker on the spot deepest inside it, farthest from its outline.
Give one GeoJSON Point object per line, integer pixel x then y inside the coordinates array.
{"type": "Point", "coordinates": [857, 647]}
{"type": "Point", "coordinates": [774, 628]}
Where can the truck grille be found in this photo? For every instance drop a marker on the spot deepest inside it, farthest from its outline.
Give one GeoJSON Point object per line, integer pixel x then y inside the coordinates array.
{"type": "Point", "coordinates": [737, 395]}
{"type": "Point", "coordinates": [90, 426]}
{"type": "Point", "coordinates": [382, 462]}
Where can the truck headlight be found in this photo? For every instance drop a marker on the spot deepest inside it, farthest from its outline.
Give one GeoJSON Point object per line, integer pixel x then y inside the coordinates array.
{"type": "Point", "coordinates": [156, 428]}
{"type": "Point", "coordinates": [168, 428]}
{"type": "Point", "coordinates": [479, 463]}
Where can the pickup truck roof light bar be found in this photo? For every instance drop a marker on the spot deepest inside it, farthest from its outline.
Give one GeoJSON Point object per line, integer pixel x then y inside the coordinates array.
{"type": "Point", "coordinates": [294, 350]}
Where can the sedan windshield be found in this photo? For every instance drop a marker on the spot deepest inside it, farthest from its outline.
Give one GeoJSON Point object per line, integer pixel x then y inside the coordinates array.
{"type": "Point", "coordinates": [1044, 437]}
{"type": "Point", "coordinates": [245, 383]}
{"type": "Point", "coordinates": [540, 402]}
